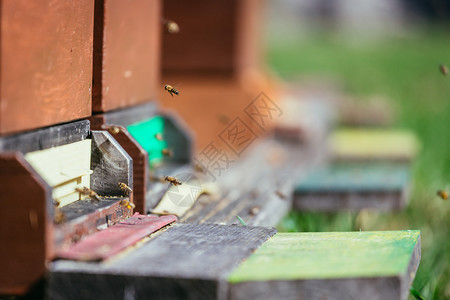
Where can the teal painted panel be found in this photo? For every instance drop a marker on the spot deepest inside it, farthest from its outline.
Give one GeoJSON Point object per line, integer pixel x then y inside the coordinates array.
{"type": "Point", "coordinates": [356, 177]}
{"type": "Point", "coordinates": [145, 134]}
{"type": "Point", "coordinates": [326, 255]}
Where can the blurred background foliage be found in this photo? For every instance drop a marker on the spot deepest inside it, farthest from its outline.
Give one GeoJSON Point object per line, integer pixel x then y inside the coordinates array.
{"type": "Point", "coordinates": [389, 48]}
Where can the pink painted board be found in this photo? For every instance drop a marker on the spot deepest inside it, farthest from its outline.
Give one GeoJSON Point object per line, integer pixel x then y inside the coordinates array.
{"type": "Point", "coordinates": [108, 242]}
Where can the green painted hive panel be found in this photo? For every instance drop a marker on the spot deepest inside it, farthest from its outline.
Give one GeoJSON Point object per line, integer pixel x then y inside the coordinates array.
{"type": "Point", "coordinates": [357, 177]}
{"type": "Point", "coordinates": [145, 134]}
{"type": "Point", "coordinates": [326, 255]}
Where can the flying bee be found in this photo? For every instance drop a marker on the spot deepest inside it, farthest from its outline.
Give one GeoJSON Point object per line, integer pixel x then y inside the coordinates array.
{"type": "Point", "coordinates": [443, 194]}
{"type": "Point", "coordinates": [159, 137]}
{"type": "Point", "coordinates": [167, 152]}
{"type": "Point", "coordinates": [125, 188]}
{"type": "Point", "coordinates": [172, 180]}
{"type": "Point", "coordinates": [88, 192]}
{"type": "Point", "coordinates": [172, 27]}
{"type": "Point", "coordinates": [127, 204]}
{"type": "Point", "coordinates": [443, 69]}
{"type": "Point", "coordinates": [171, 90]}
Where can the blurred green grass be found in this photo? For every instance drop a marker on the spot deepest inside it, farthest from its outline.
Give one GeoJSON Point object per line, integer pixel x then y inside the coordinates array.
{"type": "Point", "coordinates": [405, 69]}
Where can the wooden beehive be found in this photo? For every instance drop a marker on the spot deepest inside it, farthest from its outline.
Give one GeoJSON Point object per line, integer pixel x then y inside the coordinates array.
{"type": "Point", "coordinates": [46, 63]}
{"type": "Point", "coordinates": [126, 53]}
{"type": "Point", "coordinates": [215, 61]}
{"type": "Point", "coordinates": [42, 171]}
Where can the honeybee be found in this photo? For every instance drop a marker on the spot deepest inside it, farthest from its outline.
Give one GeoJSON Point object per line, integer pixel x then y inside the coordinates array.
{"type": "Point", "coordinates": [172, 180]}
{"type": "Point", "coordinates": [443, 69]}
{"type": "Point", "coordinates": [127, 204]}
{"type": "Point", "coordinates": [125, 188]}
{"type": "Point", "coordinates": [159, 137]}
{"type": "Point", "coordinates": [114, 130]}
{"type": "Point", "coordinates": [443, 194]}
{"type": "Point", "coordinates": [59, 217]}
{"type": "Point", "coordinates": [172, 27]}
{"type": "Point", "coordinates": [88, 192]}
{"type": "Point", "coordinates": [171, 90]}
{"type": "Point", "coordinates": [167, 152]}
{"type": "Point", "coordinates": [199, 168]}
{"type": "Point", "coordinates": [254, 210]}
{"type": "Point", "coordinates": [281, 195]}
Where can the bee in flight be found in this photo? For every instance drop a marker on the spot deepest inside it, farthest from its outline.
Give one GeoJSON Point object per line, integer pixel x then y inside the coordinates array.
{"type": "Point", "coordinates": [127, 204]}
{"type": "Point", "coordinates": [172, 27]}
{"type": "Point", "coordinates": [443, 194]}
{"type": "Point", "coordinates": [88, 192]}
{"type": "Point", "coordinates": [172, 180]}
{"type": "Point", "coordinates": [171, 90]}
{"type": "Point", "coordinates": [443, 69]}
{"type": "Point", "coordinates": [125, 188]}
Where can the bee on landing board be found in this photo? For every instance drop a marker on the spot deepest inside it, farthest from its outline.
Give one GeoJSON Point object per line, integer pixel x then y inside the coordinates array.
{"type": "Point", "coordinates": [127, 204]}
{"type": "Point", "coordinates": [125, 188]}
{"type": "Point", "coordinates": [171, 90]}
{"type": "Point", "coordinates": [254, 210]}
{"type": "Point", "coordinates": [59, 216]}
{"type": "Point", "coordinates": [443, 194]}
{"type": "Point", "coordinates": [172, 180]}
{"type": "Point", "coordinates": [88, 192]}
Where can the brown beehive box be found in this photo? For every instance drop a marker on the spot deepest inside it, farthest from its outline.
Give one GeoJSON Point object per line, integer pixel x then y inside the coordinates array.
{"type": "Point", "coordinates": [215, 62]}
{"type": "Point", "coordinates": [46, 63]}
{"type": "Point", "coordinates": [126, 53]}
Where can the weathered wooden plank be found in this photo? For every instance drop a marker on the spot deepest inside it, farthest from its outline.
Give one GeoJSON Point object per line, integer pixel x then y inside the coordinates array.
{"type": "Point", "coordinates": [45, 138]}
{"type": "Point", "coordinates": [373, 144]}
{"type": "Point", "coordinates": [126, 53]}
{"type": "Point", "coordinates": [52, 82]}
{"type": "Point", "coordinates": [354, 186]}
{"type": "Point", "coordinates": [344, 265]}
{"type": "Point", "coordinates": [110, 241]}
{"type": "Point", "coordinates": [258, 188]}
{"type": "Point", "coordinates": [85, 217]}
{"type": "Point", "coordinates": [185, 262]}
